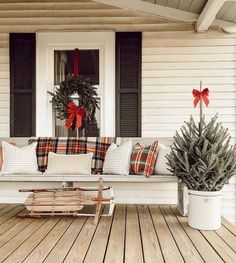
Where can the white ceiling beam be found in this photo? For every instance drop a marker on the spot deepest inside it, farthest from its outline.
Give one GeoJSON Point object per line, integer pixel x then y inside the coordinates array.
{"type": "Point", "coordinates": [154, 9]}
{"type": "Point", "coordinates": [176, 14]}
{"type": "Point", "coordinates": [228, 27]}
{"type": "Point", "coordinates": [208, 14]}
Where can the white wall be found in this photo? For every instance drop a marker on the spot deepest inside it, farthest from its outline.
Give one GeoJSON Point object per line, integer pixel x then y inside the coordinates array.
{"type": "Point", "coordinates": [173, 65]}
{"type": "Point", "coordinates": [4, 85]}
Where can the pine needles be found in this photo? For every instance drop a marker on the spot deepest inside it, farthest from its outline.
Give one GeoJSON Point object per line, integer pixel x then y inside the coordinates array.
{"type": "Point", "coordinates": [201, 155]}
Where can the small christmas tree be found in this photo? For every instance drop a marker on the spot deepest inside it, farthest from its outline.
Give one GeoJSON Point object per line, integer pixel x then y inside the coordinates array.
{"type": "Point", "coordinates": [201, 155]}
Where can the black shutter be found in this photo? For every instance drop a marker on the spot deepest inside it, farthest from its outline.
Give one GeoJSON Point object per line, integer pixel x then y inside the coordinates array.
{"type": "Point", "coordinates": [22, 82]}
{"type": "Point", "coordinates": [128, 84]}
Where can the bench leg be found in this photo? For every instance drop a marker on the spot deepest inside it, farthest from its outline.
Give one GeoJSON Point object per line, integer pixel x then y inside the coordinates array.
{"type": "Point", "coordinates": [182, 199]}
{"type": "Point", "coordinates": [67, 184]}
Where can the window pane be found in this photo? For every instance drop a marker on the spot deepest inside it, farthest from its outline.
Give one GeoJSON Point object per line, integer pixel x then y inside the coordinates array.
{"type": "Point", "coordinates": [89, 67]}
{"type": "Point", "coordinates": [88, 64]}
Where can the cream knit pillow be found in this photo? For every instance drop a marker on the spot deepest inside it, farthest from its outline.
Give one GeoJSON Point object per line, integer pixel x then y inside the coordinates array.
{"type": "Point", "coordinates": [19, 160]}
{"type": "Point", "coordinates": [161, 167]}
{"type": "Point", "coordinates": [60, 164]}
{"type": "Point", "coordinates": [117, 159]}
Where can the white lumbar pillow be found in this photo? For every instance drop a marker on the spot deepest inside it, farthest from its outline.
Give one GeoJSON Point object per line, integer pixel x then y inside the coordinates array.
{"type": "Point", "coordinates": [59, 164]}
{"type": "Point", "coordinates": [19, 160]}
{"type": "Point", "coordinates": [161, 166]}
{"type": "Point", "coordinates": [117, 159]}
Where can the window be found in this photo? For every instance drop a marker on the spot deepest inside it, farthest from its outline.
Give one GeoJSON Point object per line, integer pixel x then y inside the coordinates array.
{"type": "Point", "coordinates": [97, 48]}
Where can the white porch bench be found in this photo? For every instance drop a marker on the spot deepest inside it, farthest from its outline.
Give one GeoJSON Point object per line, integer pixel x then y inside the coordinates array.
{"type": "Point", "coordinates": [131, 189]}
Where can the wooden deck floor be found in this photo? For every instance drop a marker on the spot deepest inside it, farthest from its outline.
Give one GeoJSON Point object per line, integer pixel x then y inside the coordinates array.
{"type": "Point", "coordinates": [134, 234]}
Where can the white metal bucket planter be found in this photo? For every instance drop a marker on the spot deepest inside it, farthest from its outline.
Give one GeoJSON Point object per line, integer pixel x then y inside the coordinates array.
{"type": "Point", "coordinates": [204, 210]}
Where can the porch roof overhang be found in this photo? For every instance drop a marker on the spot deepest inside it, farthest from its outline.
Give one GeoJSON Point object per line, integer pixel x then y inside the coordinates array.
{"type": "Point", "coordinates": [203, 21]}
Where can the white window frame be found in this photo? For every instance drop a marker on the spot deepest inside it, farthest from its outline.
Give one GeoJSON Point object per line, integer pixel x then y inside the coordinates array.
{"type": "Point", "coordinates": [47, 43]}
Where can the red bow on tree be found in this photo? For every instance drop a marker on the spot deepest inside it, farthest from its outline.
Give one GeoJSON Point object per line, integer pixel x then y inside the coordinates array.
{"type": "Point", "coordinates": [200, 94]}
{"type": "Point", "coordinates": [74, 112]}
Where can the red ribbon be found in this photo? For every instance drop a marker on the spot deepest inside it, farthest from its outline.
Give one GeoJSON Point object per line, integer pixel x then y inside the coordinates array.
{"type": "Point", "coordinates": [200, 94]}
{"type": "Point", "coordinates": [74, 112]}
{"type": "Point", "coordinates": [76, 63]}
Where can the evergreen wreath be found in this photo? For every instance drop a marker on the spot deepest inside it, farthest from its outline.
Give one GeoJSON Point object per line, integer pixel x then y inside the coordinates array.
{"type": "Point", "coordinates": [87, 97]}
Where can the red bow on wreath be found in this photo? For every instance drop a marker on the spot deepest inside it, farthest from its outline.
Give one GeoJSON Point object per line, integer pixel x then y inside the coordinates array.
{"type": "Point", "coordinates": [74, 112]}
{"type": "Point", "coordinates": [200, 94]}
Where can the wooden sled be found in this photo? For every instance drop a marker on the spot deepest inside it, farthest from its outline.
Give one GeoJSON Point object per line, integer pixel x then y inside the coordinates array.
{"type": "Point", "coordinates": [68, 201]}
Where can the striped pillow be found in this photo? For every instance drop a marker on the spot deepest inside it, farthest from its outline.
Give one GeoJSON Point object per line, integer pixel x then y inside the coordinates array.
{"type": "Point", "coordinates": [143, 159]}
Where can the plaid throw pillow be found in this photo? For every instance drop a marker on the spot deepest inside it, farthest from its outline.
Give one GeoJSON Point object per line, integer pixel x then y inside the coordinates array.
{"type": "Point", "coordinates": [96, 145]}
{"type": "Point", "coordinates": [143, 159]}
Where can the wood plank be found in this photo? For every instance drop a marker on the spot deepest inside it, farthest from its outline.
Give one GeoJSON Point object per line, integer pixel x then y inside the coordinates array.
{"type": "Point", "coordinates": [151, 247]}
{"type": "Point", "coordinates": [181, 119]}
{"type": "Point", "coordinates": [82, 27]}
{"type": "Point", "coordinates": [58, 254]}
{"type": "Point", "coordinates": [183, 73]}
{"type": "Point", "coordinates": [33, 241]}
{"type": "Point", "coordinates": [196, 6]}
{"type": "Point", "coordinates": [42, 1]}
{"type": "Point", "coordinates": [188, 58]}
{"type": "Point", "coordinates": [188, 250]}
{"type": "Point", "coordinates": [54, 6]}
{"type": "Point", "coordinates": [17, 240]}
{"type": "Point", "coordinates": [133, 243]}
{"type": "Point", "coordinates": [10, 213]}
{"type": "Point", "coordinates": [203, 247]}
{"type": "Point", "coordinates": [182, 111]}
{"type": "Point", "coordinates": [215, 88]}
{"type": "Point", "coordinates": [189, 81]}
{"type": "Point", "coordinates": [156, 96]}
{"type": "Point", "coordinates": [42, 250]}
{"type": "Point", "coordinates": [3, 206]}
{"type": "Point", "coordinates": [10, 223]}
{"type": "Point", "coordinates": [188, 66]}
{"type": "Point", "coordinates": [97, 248]}
{"type": "Point", "coordinates": [188, 42]}
{"type": "Point", "coordinates": [7, 208]}
{"type": "Point", "coordinates": [9, 234]}
{"type": "Point", "coordinates": [168, 246]}
{"type": "Point", "coordinates": [77, 20]}
{"type": "Point", "coordinates": [189, 50]}
{"type": "Point", "coordinates": [225, 252]}
{"type": "Point", "coordinates": [211, 34]}
{"type": "Point", "coordinates": [228, 237]}
{"type": "Point", "coordinates": [183, 104]}
{"type": "Point", "coordinates": [70, 13]}
{"type": "Point", "coordinates": [80, 247]}
{"type": "Point", "coordinates": [228, 225]}
{"type": "Point", "coordinates": [184, 4]}
{"type": "Point", "coordinates": [115, 248]}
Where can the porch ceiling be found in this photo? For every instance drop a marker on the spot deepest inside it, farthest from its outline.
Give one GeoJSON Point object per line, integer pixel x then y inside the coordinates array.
{"type": "Point", "coordinates": [79, 15]}
{"type": "Point", "coordinates": [205, 13]}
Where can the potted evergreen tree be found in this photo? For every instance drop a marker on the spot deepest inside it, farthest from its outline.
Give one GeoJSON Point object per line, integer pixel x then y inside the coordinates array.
{"type": "Point", "coordinates": [202, 157]}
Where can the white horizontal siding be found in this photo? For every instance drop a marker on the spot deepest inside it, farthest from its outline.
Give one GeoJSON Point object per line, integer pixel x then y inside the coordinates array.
{"type": "Point", "coordinates": [4, 85]}
{"type": "Point", "coordinates": [173, 64]}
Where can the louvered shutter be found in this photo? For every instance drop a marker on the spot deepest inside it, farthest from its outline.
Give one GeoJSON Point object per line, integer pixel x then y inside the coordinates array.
{"type": "Point", "coordinates": [128, 84]}
{"type": "Point", "coordinates": [22, 82]}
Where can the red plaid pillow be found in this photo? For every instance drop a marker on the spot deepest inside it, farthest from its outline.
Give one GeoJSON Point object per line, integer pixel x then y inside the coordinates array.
{"type": "Point", "coordinates": [143, 159]}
